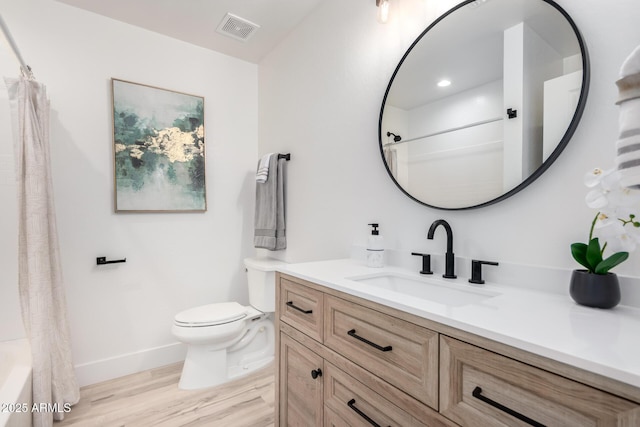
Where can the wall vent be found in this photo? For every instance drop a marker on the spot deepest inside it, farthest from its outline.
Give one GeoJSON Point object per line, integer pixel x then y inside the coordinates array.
{"type": "Point", "coordinates": [237, 28]}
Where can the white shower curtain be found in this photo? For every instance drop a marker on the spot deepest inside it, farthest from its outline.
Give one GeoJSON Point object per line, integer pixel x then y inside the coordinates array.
{"type": "Point", "coordinates": [42, 298]}
{"type": "Point", "coordinates": [391, 157]}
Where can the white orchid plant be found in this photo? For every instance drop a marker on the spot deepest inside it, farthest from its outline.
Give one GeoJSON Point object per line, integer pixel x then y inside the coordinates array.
{"type": "Point", "coordinates": [615, 223]}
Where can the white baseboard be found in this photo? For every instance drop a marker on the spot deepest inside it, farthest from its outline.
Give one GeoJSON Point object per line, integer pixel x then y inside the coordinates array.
{"type": "Point", "coordinates": [130, 363]}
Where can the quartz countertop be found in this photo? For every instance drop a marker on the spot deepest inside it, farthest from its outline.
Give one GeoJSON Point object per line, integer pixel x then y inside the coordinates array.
{"type": "Point", "coordinates": [605, 342]}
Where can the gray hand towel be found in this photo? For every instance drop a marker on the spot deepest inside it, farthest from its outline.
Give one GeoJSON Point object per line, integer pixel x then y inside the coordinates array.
{"type": "Point", "coordinates": [269, 218]}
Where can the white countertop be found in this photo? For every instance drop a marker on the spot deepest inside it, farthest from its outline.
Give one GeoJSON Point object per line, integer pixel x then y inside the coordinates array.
{"type": "Point", "coordinates": [605, 342]}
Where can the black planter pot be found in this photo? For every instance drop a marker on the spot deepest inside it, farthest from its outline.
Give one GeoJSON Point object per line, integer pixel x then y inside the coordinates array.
{"type": "Point", "coordinates": [595, 290]}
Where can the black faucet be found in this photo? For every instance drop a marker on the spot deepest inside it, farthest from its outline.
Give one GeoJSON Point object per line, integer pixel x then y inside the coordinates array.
{"type": "Point", "coordinates": [449, 257]}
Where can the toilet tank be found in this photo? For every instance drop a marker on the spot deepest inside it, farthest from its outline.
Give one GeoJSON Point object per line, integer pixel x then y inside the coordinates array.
{"type": "Point", "coordinates": [261, 279]}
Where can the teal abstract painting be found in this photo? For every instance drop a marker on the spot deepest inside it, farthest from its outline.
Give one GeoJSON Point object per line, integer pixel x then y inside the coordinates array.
{"type": "Point", "coordinates": [158, 145]}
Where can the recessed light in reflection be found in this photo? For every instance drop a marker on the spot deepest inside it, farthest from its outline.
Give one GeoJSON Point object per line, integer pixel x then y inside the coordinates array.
{"type": "Point", "coordinates": [444, 83]}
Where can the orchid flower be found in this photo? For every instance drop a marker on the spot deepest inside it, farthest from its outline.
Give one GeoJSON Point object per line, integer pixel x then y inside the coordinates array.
{"type": "Point", "coordinates": [615, 223]}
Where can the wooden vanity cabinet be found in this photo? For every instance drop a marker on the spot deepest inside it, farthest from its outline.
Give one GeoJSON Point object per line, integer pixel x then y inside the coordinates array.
{"type": "Point", "coordinates": [345, 361]}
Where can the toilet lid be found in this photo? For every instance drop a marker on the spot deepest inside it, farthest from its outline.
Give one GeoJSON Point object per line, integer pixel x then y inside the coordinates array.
{"type": "Point", "coordinates": [211, 314]}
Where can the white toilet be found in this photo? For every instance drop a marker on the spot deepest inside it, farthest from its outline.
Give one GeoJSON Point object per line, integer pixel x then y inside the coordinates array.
{"type": "Point", "coordinates": [228, 340]}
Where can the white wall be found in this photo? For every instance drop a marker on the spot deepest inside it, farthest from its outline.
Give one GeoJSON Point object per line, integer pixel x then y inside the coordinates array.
{"type": "Point", "coordinates": [320, 96]}
{"type": "Point", "coordinates": [473, 105]}
{"type": "Point", "coordinates": [121, 315]}
{"type": "Point", "coordinates": [541, 63]}
{"type": "Point", "coordinates": [514, 129]}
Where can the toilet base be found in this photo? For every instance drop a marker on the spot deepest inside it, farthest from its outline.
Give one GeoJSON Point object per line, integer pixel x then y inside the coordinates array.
{"type": "Point", "coordinates": [239, 371]}
{"type": "Point", "coordinates": [202, 368]}
{"type": "Point", "coordinates": [206, 367]}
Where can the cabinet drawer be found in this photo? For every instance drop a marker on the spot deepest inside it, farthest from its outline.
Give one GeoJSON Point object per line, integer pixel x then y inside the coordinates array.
{"type": "Point", "coordinates": [355, 404]}
{"type": "Point", "coordinates": [402, 353]}
{"type": "Point", "coordinates": [302, 308]}
{"type": "Point", "coordinates": [481, 388]}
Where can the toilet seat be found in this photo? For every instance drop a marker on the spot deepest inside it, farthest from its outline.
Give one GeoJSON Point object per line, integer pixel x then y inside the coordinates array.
{"type": "Point", "coordinates": [210, 315]}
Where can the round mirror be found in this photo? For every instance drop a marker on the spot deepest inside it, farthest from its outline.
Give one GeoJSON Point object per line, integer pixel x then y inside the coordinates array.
{"type": "Point", "coordinates": [483, 102]}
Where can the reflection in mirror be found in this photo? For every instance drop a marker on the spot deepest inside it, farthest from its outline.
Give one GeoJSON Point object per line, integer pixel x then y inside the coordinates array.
{"type": "Point", "coordinates": [484, 101]}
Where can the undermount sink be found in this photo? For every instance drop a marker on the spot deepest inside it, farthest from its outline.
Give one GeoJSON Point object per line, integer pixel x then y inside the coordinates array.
{"type": "Point", "coordinates": [426, 289]}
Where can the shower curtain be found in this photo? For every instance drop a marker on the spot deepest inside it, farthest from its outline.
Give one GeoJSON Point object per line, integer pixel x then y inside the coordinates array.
{"type": "Point", "coordinates": [391, 157]}
{"type": "Point", "coordinates": [40, 283]}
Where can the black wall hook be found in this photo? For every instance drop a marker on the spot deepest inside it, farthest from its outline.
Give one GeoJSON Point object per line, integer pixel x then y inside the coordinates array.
{"type": "Point", "coordinates": [101, 260]}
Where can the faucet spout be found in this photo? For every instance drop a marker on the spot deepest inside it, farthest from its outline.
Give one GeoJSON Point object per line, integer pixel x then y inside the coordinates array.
{"type": "Point", "coordinates": [449, 256]}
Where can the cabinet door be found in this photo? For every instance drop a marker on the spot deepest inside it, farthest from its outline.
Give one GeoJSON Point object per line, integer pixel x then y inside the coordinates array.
{"type": "Point", "coordinates": [480, 389]}
{"type": "Point", "coordinates": [301, 384]}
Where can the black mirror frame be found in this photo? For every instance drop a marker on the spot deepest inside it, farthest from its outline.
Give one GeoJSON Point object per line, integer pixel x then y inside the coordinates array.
{"type": "Point", "coordinates": [584, 91]}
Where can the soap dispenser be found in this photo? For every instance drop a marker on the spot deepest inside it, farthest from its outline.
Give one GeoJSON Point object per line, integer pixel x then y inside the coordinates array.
{"type": "Point", "coordinates": [375, 248]}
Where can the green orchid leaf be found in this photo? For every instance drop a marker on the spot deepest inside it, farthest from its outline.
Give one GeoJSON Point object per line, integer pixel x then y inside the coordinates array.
{"type": "Point", "coordinates": [604, 266]}
{"type": "Point", "coordinates": [594, 254]}
{"type": "Point", "coordinates": [579, 252]}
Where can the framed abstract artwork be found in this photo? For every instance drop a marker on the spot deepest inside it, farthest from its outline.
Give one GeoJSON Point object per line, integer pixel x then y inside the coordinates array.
{"type": "Point", "coordinates": [159, 149]}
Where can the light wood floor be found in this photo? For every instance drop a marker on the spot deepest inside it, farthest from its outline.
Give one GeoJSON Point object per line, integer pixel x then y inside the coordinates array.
{"type": "Point", "coordinates": [152, 398]}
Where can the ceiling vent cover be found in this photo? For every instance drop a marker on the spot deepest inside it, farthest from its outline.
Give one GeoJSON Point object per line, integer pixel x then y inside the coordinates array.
{"type": "Point", "coordinates": [237, 28]}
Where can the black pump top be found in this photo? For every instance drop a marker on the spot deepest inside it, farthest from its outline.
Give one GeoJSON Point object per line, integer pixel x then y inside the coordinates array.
{"type": "Point", "coordinates": [375, 231]}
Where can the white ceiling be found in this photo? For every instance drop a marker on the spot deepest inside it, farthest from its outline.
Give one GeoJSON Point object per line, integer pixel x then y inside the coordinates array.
{"type": "Point", "coordinates": [195, 21]}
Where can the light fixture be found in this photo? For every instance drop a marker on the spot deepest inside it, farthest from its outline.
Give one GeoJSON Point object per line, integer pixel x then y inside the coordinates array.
{"type": "Point", "coordinates": [383, 11]}
{"type": "Point", "coordinates": [444, 83]}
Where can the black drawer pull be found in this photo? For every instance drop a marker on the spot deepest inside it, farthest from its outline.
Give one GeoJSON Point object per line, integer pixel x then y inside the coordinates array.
{"type": "Point", "coordinates": [352, 404]}
{"type": "Point", "coordinates": [477, 393]}
{"type": "Point", "coordinates": [315, 373]}
{"type": "Point", "coordinates": [290, 304]}
{"type": "Point", "coordinates": [366, 341]}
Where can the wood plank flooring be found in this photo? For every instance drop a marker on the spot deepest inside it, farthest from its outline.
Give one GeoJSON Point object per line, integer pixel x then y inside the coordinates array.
{"type": "Point", "coordinates": [152, 398]}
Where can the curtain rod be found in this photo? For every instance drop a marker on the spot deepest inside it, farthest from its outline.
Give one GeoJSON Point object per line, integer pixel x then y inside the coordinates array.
{"type": "Point", "coordinates": [24, 68]}
{"type": "Point", "coordinates": [470, 125]}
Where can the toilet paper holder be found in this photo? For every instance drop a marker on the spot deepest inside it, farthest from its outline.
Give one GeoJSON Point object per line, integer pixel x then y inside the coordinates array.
{"type": "Point", "coordinates": [101, 260]}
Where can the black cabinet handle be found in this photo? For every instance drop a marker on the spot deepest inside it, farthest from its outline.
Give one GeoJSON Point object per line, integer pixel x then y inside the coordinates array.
{"type": "Point", "coordinates": [366, 341]}
{"type": "Point", "coordinates": [290, 304]}
{"type": "Point", "coordinates": [477, 393]}
{"type": "Point", "coordinates": [352, 404]}
{"type": "Point", "coordinates": [316, 373]}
